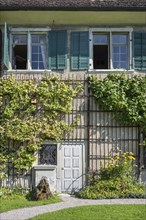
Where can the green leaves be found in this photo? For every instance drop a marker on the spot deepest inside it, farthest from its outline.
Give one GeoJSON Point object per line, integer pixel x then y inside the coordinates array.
{"type": "Point", "coordinates": [30, 113]}
{"type": "Point", "coordinates": [125, 96]}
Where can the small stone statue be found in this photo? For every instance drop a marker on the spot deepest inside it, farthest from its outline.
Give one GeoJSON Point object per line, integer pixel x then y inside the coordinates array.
{"type": "Point", "coordinates": [43, 189]}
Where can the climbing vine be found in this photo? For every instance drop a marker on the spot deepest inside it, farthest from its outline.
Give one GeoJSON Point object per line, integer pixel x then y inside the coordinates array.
{"type": "Point", "coordinates": [124, 96]}
{"type": "Point", "coordinates": [32, 112]}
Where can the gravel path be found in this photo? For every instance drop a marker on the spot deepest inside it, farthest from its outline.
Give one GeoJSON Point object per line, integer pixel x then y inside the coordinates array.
{"type": "Point", "coordinates": [68, 201]}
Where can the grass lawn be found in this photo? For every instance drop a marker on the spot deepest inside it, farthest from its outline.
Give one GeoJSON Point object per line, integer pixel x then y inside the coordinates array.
{"type": "Point", "coordinates": [100, 212]}
{"type": "Point", "coordinates": [21, 202]}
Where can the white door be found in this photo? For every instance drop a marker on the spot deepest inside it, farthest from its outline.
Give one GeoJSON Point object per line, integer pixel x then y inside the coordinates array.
{"type": "Point", "coordinates": [71, 167]}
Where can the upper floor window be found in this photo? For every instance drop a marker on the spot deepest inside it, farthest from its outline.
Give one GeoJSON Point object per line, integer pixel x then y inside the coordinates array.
{"type": "Point", "coordinates": [29, 51]}
{"type": "Point", "coordinates": [19, 52]}
{"type": "Point", "coordinates": [110, 49]}
{"type": "Point", "coordinates": [38, 51]}
{"type": "Point", "coordinates": [110, 52]}
{"type": "Point", "coordinates": [120, 51]}
{"type": "Point", "coordinates": [100, 51]}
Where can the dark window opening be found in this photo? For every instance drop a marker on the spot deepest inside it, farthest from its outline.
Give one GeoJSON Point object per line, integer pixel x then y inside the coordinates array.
{"type": "Point", "coordinates": [20, 57]}
{"type": "Point", "coordinates": [48, 154]}
{"type": "Point", "coordinates": [100, 56]}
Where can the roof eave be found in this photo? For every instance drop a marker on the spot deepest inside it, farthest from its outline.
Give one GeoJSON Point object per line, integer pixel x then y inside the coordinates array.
{"type": "Point", "coordinates": [73, 9]}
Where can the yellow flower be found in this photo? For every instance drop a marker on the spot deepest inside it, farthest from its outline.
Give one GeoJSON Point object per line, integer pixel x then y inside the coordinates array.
{"type": "Point", "coordinates": [112, 165]}
{"type": "Point", "coordinates": [131, 153]}
{"type": "Point", "coordinates": [131, 158]}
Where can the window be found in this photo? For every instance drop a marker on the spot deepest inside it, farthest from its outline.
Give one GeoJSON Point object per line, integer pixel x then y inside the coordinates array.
{"type": "Point", "coordinates": [19, 52]}
{"type": "Point", "coordinates": [48, 154]}
{"type": "Point", "coordinates": [29, 51]}
{"type": "Point", "coordinates": [110, 49]}
{"type": "Point", "coordinates": [100, 51]}
{"type": "Point", "coordinates": [38, 48]}
{"type": "Point", "coordinates": [120, 51]}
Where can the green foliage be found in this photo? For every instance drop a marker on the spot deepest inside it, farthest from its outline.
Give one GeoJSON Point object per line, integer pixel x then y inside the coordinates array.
{"type": "Point", "coordinates": [115, 180]}
{"type": "Point", "coordinates": [111, 189]}
{"type": "Point", "coordinates": [119, 166]}
{"type": "Point", "coordinates": [30, 113]}
{"type": "Point", "coordinates": [123, 95]}
{"type": "Point", "coordinates": [15, 193]}
{"type": "Point", "coordinates": [19, 197]}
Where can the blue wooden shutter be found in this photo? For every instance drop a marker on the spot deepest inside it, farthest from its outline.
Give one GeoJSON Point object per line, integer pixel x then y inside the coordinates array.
{"type": "Point", "coordinates": [80, 50]}
{"type": "Point", "coordinates": [84, 51]}
{"type": "Point", "coordinates": [6, 50]}
{"type": "Point", "coordinates": [52, 50]}
{"type": "Point", "coordinates": [75, 42]}
{"type": "Point", "coordinates": [139, 50]}
{"type": "Point", "coordinates": [144, 51]}
{"type": "Point", "coordinates": [61, 50]}
{"type": "Point", "coordinates": [57, 50]}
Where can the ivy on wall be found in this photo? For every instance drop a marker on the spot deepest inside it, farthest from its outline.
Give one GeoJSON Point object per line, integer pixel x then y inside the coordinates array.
{"type": "Point", "coordinates": [32, 112]}
{"type": "Point", "coordinates": [124, 96]}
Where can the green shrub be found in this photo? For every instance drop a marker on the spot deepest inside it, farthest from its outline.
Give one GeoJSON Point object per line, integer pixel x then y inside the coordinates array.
{"type": "Point", "coordinates": [7, 193]}
{"type": "Point", "coordinates": [113, 188]}
{"type": "Point", "coordinates": [120, 165]}
{"type": "Point", "coordinates": [115, 180]}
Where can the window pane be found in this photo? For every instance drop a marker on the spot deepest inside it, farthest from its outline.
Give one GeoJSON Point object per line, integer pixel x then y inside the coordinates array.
{"type": "Point", "coordinates": [35, 49]}
{"type": "Point", "coordinates": [34, 57]}
{"type": "Point", "coordinates": [34, 65]}
{"type": "Point", "coordinates": [100, 39]}
{"type": "Point", "coordinates": [123, 49]}
{"type": "Point", "coordinates": [116, 65]}
{"type": "Point", "coordinates": [35, 39]}
{"type": "Point", "coordinates": [40, 57]}
{"type": "Point", "coordinates": [116, 49]}
{"type": "Point", "coordinates": [38, 39]}
{"type": "Point", "coordinates": [123, 65]}
{"type": "Point", "coordinates": [41, 65]}
{"type": "Point", "coordinates": [42, 39]}
{"type": "Point", "coordinates": [119, 39]}
{"type": "Point", "coordinates": [116, 39]}
{"type": "Point", "coordinates": [20, 39]}
{"type": "Point", "coordinates": [123, 57]}
{"type": "Point", "coordinates": [120, 51]}
{"type": "Point", "coordinates": [116, 57]}
{"type": "Point", "coordinates": [39, 51]}
{"type": "Point", "coordinates": [123, 39]}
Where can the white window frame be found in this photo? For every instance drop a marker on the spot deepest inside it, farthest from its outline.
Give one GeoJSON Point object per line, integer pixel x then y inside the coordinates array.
{"type": "Point", "coordinates": [28, 32]}
{"type": "Point", "coordinates": [127, 30]}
